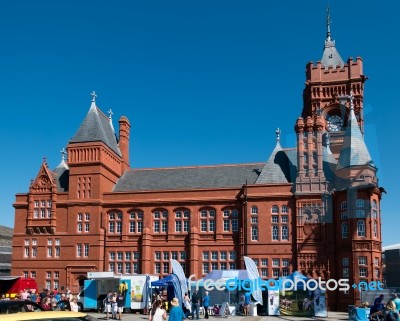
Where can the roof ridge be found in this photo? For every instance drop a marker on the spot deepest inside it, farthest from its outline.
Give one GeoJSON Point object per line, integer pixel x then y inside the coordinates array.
{"type": "Point", "coordinates": [195, 166]}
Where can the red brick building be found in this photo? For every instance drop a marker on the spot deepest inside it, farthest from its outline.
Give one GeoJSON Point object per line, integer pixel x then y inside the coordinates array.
{"type": "Point", "coordinates": [314, 208]}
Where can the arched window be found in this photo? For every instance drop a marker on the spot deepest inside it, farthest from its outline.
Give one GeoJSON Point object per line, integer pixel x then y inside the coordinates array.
{"type": "Point", "coordinates": [360, 228]}
{"type": "Point", "coordinates": [345, 230]}
{"type": "Point", "coordinates": [374, 204]}
{"type": "Point", "coordinates": [207, 220]}
{"type": "Point", "coordinates": [360, 202]}
{"type": "Point", "coordinates": [115, 222]}
{"type": "Point", "coordinates": [284, 209]}
{"type": "Point", "coordinates": [275, 209]}
{"type": "Point", "coordinates": [254, 233]}
{"type": "Point", "coordinates": [374, 213]}
{"type": "Point", "coordinates": [254, 210]}
{"type": "Point", "coordinates": [182, 220]}
{"type": "Point", "coordinates": [160, 221]}
{"type": "Point", "coordinates": [343, 205]}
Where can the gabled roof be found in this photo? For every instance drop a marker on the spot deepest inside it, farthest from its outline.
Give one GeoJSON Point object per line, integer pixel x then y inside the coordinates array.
{"type": "Point", "coordinates": [354, 152]}
{"type": "Point", "coordinates": [184, 178]}
{"type": "Point", "coordinates": [97, 127]}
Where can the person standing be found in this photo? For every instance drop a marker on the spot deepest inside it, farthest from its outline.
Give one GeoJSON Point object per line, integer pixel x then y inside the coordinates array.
{"type": "Point", "coordinates": [246, 303]}
{"type": "Point", "coordinates": [206, 304]}
{"type": "Point", "coordinates": [120, 304]}
{"type": "Point", "coordinates": [74, 304]}
{"type": "Point", "coordinates": [186, 305]}
{"type": "Point", "coordinates": [176, 312]}
{"type": "Point", "coordinates": [108, 302]}
{"type": "Point", "coordinates": [195, 304]}
{"type": "Point", "coordinates": [158, 314]}
{"type": "Point", "coordinates": [396, 301]}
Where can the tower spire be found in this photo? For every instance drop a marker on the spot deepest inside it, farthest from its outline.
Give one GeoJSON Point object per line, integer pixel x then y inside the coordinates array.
{"type": "Point", "coordinates": [328, 23]}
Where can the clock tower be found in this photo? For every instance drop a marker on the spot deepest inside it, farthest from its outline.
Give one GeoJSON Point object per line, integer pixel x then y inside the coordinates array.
{"type": "Point", "coordinates": [327, 83]}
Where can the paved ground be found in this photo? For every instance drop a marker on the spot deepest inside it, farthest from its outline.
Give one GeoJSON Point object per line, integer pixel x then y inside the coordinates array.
{"type": "Point", "coordinates": [332, 316]}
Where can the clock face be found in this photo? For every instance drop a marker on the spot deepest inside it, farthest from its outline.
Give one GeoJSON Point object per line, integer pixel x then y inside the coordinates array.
{"type": "Point", "coordinates": [334, 123]}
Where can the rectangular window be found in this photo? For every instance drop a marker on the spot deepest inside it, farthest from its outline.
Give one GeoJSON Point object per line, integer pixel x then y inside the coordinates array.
{"type": "Point", "coordinates": [157, 256]}
{"type": "Point", "coordinates": [157, 226]}
{"type": "Point", "coordinates": [275, 218]}
{"type": "Point", "coordinates": [132, 227]}
{"type": "Point", "coordinates": [87, 216]}
{"type": "Point", "coordinates": [363, 272]}
{"type": "Point", "coordinates": [275, 273]}
{"type": "Point", "coordinates": [232, 255]}
{"type": "Point", "coordinates": [285, 232]}
{"type": "Point", "coordinates": [87, 227]}
{"type": "Point", "coordinates": [206, 268]}
{"type": "Point", "coordinates": [119, 267]}
{"type": "Point", "coordinates": [214, 266]}
{"type": "Point", "coordinates": [58, 251]}
{"type": "Point", "coordinates": [164, 227]}
{"type": "Point", "coordinates": [223, 266]}
{"type": "Point", "coordinates": [86, 250]}
{"type": "Point", "coordinates": [166, 268]}
{"type": "Point", "coordinates": [79, 250]}
{"type": "Point", "coordinates": [275, 232]}
{"type": "Point", "coordinates": [112, 267]}
{"type": "Point", "coordinates": [58, 242]}
{"type": "Point", "coordinates": [43, 203]}
{"type": "Point", "coordinates": [227, 225]}
{"type": "Point", "coordinates": [284, 219]}
{"type": "Point", "coordinates": [203, 225]}
{"type": "Point", "coordinates": [112, 256]}
{"type": "Point", "coordinates": [36, 213]}
{"type": "Point", "coordinates": [212, 225]}
{"type": "Point", "coordinates": [49, 242]}
{"type": "Point", "coordinates": [111, 227]}
{"type": "Point", "coordinates": [34, 252]}
{"type": "Point", "coordinates": [362, 260]}
{"type": "Point", "coordinates": [48, 284]}
{"type": "Point", "coordinates": [49, 251]}
{"type": "Point", "coordinates": [139, 227]}
{"type": "Point", "coordinates": [174, 255]}
{"type": "Point", "coordinates": [120, 256]}
{"type": "Point", "coordinates": [376, 261]}
{"type": "Point", "coordinates": [166, 256]}
{"type": "Point", "coordinates": [33, 274]}
{"type": "Point", "coordinates": [345, 261]}
{"type": "Point", "coordinates": [232, 266]}
{"type": "Point", "coordinates": [48, 274]}
{"type": "Point", "coordinates": [214, 255]}
{"type": "Point", "coordinates": [264, 262]}
{"type": "Point", "coordinates": [43, 213]}
{"type": "Point", "coordinates": [235, 225]}
{"type": "Point", "coordinates": [275, 262]}
{"type": "Point", "coordinates": [223, 255]}
{"type": "Point", "coordinates": [178, 226]}
{"type": "Point", "coordinates": [285, 272]}
{"type": "Point", "coordinates": [79, 227]}
{"type": "Point", "coordinates": [49, 213]}
{"type": "Point", "coordinates": [128, 256]}
{"type": "Point", "coordinates": [136, 267]}
{"type": "Point", "coordinates": [186, 226]}
{"type": "Point", "coordinates": [345, 272]}
{"type": "Point", "coordinates": [206, 256]}
{"type": "Point", "coordinates": [135, 256]}
{"type": "Point", "coordinates": [183, 256]}
{"type": "Point", "coordinates": [157, 268]}
{"type": "Point", "coordinates": [360, 214]}
{"type": "Point", "coordinates": [80, 216]}
{"type": "Point", "coordinates": [36, 203]}
{"type": "Point", "coordinates": [26, 252]}
{"type": "Point", "coordinates": [264, 273]}
{"type": "Point", "coordinates": [285, 262]}
{"type": "Point", "coordinates": [119, 227]}
{"type": "Point", "coordinates": [254, 220]}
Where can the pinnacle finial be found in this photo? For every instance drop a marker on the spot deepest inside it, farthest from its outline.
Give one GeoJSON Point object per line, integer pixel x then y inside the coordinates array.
{"type": "Point", "coordinates": [93, 93]}
{"type": "Point", "coordinates": [63, 154]}
{"type": "Point", "coordinates": [278, 134]}
{"type": "Point", "coordinates": [328, 23]}
{"type": "Point", "coordinates": [110, 113]}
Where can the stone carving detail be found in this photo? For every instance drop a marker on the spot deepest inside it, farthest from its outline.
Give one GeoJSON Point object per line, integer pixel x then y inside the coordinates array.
{"type": "Point", "coordinates": [362, 246]}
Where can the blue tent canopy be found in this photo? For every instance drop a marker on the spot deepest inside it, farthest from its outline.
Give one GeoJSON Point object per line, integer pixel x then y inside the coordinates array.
{"type": "Point", "coordinates": [173, 286]}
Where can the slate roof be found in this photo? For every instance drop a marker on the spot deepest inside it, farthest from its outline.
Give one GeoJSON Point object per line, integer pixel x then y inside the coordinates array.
{"type": "Point", "coordinates": [330, 56]}
{"type": "Point", "coordinates": [189, 177]}
{"type": "Point", "coordinates": [97, 127]}
{"type": "Point", "coordinates": [276, 169]}
{"type": "Point", "coordinates": [354, 152]}
{"type": "Point", "coordinates": [61, 175]}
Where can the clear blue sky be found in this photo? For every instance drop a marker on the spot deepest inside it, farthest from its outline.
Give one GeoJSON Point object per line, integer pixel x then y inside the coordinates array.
{"type": "Point", "coordinates": [202, 82]}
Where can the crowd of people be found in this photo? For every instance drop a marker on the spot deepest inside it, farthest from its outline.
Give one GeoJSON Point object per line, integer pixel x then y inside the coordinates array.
{"type": "Point", "coordinates": [49, 300]}
{"type": "Point", "coordinates": [388, 311]}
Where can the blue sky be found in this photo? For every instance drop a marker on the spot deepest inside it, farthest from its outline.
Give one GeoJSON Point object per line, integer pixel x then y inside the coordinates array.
{"type": "Point", "coordinates": [202, 82]}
